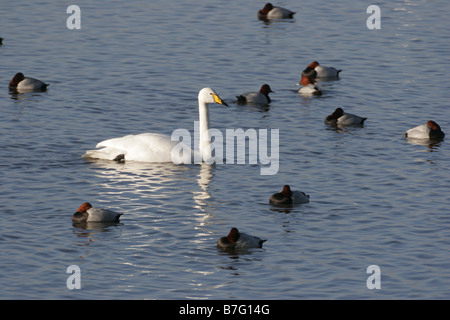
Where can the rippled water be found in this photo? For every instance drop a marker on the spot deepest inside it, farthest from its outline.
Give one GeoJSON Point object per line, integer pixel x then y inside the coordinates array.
{"type": "Point", "coordinates": [135, 66]}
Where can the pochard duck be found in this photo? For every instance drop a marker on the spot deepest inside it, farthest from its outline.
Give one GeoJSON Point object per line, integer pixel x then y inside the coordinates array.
{"type": "Point", "coordinates": [307, 82]}
{"type": "Point", "coordinates": [21, 83]}
{"type": "Point", "coordinates": [261, 97]}
{"type": "Point", "coordinates": [286, 196]}
{"type": "Point", "coordinates": [86, 213]}
{"type": "Point", "coordinates": [324, 72]}
{"type": "Point", "coordinates": [239, 240]}
{"type": "Point", "coordinates": [431, 130]}
{"type": "Point", "coordinates": [273, 12]}
{"type": "Point", "coordinates": [340, 118]}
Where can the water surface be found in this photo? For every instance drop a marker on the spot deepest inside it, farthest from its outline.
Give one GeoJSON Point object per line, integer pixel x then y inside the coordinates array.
{"type": "Point", "coordinates": [137, 66]}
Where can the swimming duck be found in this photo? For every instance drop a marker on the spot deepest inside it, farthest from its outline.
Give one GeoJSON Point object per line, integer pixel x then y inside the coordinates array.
{"type": "Point", "coordinates": [239, 240]}
{"type": "Point", "coordinates": [324, 72]}
{"type": "Point", "coordinates": [261, 97]}
{"type": "Point", "coordinates": [21, 83]}
{"type": "Point", "coordinates": [431, 130]}
{"type": "Point", "coordinates": [340, 118]}
{"type": "Point", "coordinates": [307, 82]}
{"type": "Point", "coordinates": [272, 12]}
{"type": "Point", "coordinates": [286, 196]}
{"type": "Point", "coordinates": [154, 147]}
{"type": "Point", "coordinates": [86, 213]}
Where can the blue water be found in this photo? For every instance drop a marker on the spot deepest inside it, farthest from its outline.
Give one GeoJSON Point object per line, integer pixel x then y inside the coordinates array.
{"type": "Point", "coordinates": [137, 66]}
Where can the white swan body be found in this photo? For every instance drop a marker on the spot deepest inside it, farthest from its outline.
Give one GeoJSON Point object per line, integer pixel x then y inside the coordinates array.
{"type": "Point", "coordinates": [86, 213]}
{"type": "Point", "coordinates": [145, 147]}
{"type": "Point", "coordinates": [154, 147]}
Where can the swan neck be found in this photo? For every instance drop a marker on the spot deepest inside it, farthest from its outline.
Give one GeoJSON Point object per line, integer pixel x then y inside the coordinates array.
{"type": "Point", "coordinates": [204, 128]}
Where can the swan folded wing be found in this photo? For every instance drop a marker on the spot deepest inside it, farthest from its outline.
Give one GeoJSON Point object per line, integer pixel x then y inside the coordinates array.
{"type": "Point", "coordinates": [103, 153]}
{"type": "Point", "coordinates": [145, 147]}
{"type": "Point", "coordinates": [109, 149]}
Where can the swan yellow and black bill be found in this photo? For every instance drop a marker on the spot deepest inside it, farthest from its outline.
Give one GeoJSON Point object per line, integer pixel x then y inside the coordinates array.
{"type": "Point", "coordinates": [218, 100]}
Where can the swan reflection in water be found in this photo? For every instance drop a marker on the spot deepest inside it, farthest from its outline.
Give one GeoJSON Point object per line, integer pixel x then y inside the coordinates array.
{"type": "Point", "coordinates": [151, 179]}
{"type": "Point", "coordinates": [142, 187]}
{"type": "Point", "coordinates": [204, 179]}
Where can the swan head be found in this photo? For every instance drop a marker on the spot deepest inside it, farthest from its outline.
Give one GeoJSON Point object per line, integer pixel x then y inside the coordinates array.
{"type": "Point", "coordinates": [208, 95]}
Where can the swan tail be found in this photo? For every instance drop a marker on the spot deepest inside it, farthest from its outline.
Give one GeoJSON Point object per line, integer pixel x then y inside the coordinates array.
{"type": "Point", "coordinates": [105, 153]}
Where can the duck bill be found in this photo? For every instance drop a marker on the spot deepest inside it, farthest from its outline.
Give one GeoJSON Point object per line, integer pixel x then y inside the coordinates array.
{"type": "Point", "coordinates": [218, 100]}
